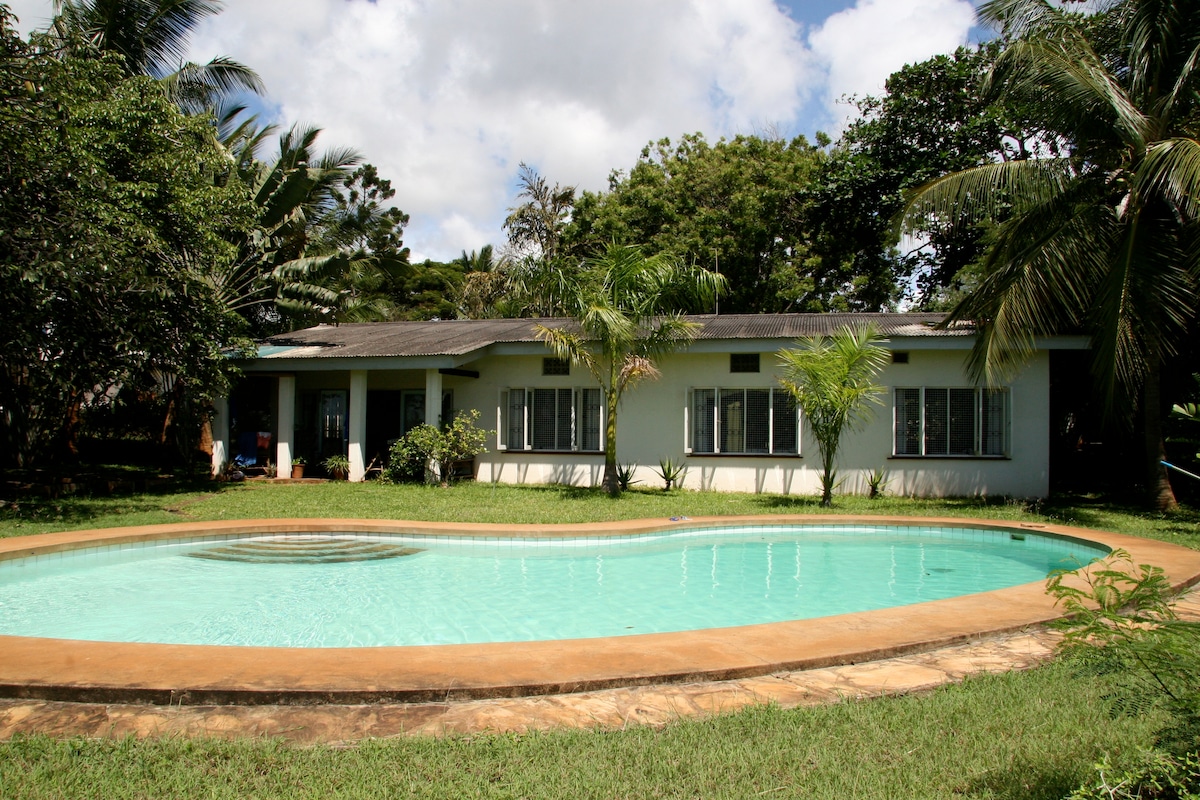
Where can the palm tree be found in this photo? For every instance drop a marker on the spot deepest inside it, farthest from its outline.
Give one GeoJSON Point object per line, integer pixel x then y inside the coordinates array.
{"type": "Point", "coordinates": [535, 227]}
{"type": "Point", "coordinates": [484, 285]}
{"type": "Point", "coordinates": [832, 380]}
{"type": "Point", "coordinates": [152, 35]}
{"type": "Point", "coordinates": [285, 263]}
{"type": "Point", "coordinates": [1101, 238]}
{"type": "Point", "coordinates": [625, 305]}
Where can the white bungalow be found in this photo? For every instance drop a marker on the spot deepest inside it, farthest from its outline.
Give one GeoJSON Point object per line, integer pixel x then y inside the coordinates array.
{"type": "Point", "coordinates": [718, 408]}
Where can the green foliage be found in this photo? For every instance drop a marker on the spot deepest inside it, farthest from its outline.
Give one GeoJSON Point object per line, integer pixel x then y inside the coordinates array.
{"type": "Point", "coordinates": [1122, 626]}
{"type": "Point", "coordinates": [672, 472]}
{"type": "Point", "coordinates": [1098, 233]}
{"type": "Point", "coordinates": [730, 206]}
{"type": "Point", "coordinates": [461, 440]}
{"type": "Point", "coordinates": [110, 217]}
{"type": "Point", "coordinates": [625, 473]}
{"type": "Point", "coordinates": [832, 380]}
{"type": "Point", "coordinates": [535, 227]}
{"type": "Point", "coordinates": [338, 466]}
{"type": "Point", "coordinates": [427, 454]}
{"type": "Point", "coordinates": [626, 306]}
{"type": "Point", "coordinates": [412, 456]}
{"type": "Point", "coordinates": [935, 118]}
{"type": "Point", "coordinates": [1156, 776]}
{"type": "Point", "coordinates": [877, 482]}
{"type": "Point", "coordinates": [151, 37]}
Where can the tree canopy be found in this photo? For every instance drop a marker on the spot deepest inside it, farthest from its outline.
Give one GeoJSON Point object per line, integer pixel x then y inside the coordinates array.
{"type": "Point", "coordinates": [732, 206]}
{"type": "Point", "coordinates": [1101, 236]}
{"type": "Point", "coordinates": [109, 218]}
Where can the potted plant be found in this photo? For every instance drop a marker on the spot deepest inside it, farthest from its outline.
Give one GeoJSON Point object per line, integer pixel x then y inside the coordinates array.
{"type": "Point", "coordinates": [338, 467]}
{"type": "Point", "coordinates": [298, 467]}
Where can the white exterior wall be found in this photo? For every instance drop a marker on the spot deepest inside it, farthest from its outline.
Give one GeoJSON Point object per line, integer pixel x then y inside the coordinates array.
{"type": "Point", "coordinates": [651, 425]}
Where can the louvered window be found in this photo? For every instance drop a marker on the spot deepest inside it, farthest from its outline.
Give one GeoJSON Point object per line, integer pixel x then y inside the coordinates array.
{"type": "Point", "coordinates": [743, 421]}
{"type": "Point", "coordinates": [554, 420]}
{"type": "Point", "coordinates": [934, 421]}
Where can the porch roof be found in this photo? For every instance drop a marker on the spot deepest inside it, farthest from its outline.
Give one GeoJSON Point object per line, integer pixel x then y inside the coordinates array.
{"type": "Point", "coordinates": [462, 337]}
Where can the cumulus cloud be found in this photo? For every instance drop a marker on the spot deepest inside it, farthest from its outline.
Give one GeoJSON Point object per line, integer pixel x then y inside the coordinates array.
{"type": "Point", "coordinates": [862, 45]}
{"type": "Point", "coordinates": [447, 97]}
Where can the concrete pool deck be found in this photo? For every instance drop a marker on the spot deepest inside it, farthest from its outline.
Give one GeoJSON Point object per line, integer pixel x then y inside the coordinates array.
{"type": "Point", "coordinates": [49, 671]}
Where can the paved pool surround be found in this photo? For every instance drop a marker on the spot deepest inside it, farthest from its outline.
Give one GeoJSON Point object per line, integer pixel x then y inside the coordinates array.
{"type": "Point", "coordinates": [106, 672]}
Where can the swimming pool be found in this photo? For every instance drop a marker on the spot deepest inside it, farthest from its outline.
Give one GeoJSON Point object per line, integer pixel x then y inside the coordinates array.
{"type": "Point", "coordinates": [119, 672]}
{"type": "Point", "coordinates": [346, 590]}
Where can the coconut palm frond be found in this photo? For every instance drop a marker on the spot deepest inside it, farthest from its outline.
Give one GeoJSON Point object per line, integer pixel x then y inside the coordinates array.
{"type": "Point", "coordinates": [197, 88]}
{"type": "Point", "coordinates": [987, 191]}
{"type": "Point", "coordinates": [1172, 169]}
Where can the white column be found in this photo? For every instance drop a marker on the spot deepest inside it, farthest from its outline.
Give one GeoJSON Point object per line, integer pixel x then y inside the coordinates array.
{"type": "Point", "coordinates": [220, 434]}
{"type": "Point", "coordinates": [358, 424]}
{"type": "Point", "coordinates": [287, 425]}
{"type": "Point", "coordinates": [433, 398]}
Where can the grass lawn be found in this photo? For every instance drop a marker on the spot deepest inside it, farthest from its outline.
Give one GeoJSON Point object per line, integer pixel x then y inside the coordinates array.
{"type": "Point", "coordinates": [1021, 735]}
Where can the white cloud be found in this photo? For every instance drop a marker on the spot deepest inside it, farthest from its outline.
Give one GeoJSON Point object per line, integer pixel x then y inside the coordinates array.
{"type": "Point", "coordinates": [861, 46]}
{"type": "Point", "coordinates": [447, 97]}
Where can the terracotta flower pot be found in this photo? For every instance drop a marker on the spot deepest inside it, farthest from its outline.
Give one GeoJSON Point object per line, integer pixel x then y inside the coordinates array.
{"type": "Point", "coordinates": [298, 471]}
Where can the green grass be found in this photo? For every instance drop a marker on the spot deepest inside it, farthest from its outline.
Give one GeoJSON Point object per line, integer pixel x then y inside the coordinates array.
{"type": "Point", "coordinates": [1020, 735]}
{"type": "Point", "coordinates": [482, 502]}
{"type": "Point", "coordinates": [1030, 735]}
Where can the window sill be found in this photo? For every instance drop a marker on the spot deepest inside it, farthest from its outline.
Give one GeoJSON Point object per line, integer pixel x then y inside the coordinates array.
{"type": "Point", "coordinates": [948, 458]}
{"type": "Point", "coordinates": [775, 456]}
{"type": "Point", "coordinates": [550, 452]}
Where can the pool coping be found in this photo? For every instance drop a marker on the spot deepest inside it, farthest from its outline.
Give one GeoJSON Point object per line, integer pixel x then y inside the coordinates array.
{"type": "Point", "coordinates": [106, 672]}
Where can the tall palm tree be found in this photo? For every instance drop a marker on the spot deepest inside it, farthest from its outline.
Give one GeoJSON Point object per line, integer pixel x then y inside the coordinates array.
{"type": "Point", "coordinates": [535, 226]}
{"type": "Point", "coordinates": [833, 381]}
{"type": "Point", "coordinates": [1102, 238]}
{"type": "Point", "coordinates": [152, 35]}
{"type": "Point", "coordinates": [625, 305]}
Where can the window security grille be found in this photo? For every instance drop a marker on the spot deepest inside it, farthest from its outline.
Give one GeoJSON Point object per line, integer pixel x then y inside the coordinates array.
{"type": "Point", "coordinates": [554, 420]}
{"type": "Point", "coordinates": [951, 422]}
{"type": "Point", "coordinates": [743, 421]}
{"type": "Point", "coordinates": [556, 366]}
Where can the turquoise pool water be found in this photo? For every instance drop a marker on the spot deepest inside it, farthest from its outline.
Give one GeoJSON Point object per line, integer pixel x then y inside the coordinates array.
{"type": "Point", "coordinates": [348, 590]}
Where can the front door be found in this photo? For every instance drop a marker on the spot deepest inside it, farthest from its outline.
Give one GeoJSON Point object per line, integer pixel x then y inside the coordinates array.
{"type": "Point", "coordinates": [332, 422]}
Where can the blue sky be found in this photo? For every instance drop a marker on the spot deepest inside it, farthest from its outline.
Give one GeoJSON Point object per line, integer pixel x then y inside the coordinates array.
{"type": "Point", "coordinates": [448, 97]}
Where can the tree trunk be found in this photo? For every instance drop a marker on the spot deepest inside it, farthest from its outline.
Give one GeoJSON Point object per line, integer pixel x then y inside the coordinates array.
{"type": "Point", "coordinates": [610, 482]}
{"type": "Point", "coordinates": [1159, 494]}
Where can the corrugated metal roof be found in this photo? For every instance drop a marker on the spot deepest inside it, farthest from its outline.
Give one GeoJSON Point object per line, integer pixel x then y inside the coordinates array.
{"type": "Point", "coordinates": [464, 336]}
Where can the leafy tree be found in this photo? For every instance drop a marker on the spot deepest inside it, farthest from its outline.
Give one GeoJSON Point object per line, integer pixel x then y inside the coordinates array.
{"type": "Point", "coordinates": [832, 379]}
{"type": "Point", "coordinates": [1101, 237]}
{"type": "Point", "coordinates": [932, 120]}
{"type": "Point", "coordinates": [624, 304]}
{"type": "Point", "coordinates": [732, 206]}
{"type": "Point", "coordinates": [427, 290]}
{"type": "Point", "coordinates": [152, 36]}
{"type": "Point", "coordinates": [109, 219]}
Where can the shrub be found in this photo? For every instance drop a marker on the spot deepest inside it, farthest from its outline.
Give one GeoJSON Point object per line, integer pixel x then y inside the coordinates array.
{"type": "Point", "coordinates": [1121, 624]}
{"type": "Point", "coordinates": [411, 457]}
{"type": "Point", "coordinates": [427, 454]}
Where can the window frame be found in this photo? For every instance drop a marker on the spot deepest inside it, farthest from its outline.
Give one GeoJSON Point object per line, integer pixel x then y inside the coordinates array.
{"type": "Point", "coordinates": [982, 408]}
{"type": "Point", "coordinates": [583, 400]}
{"type": "Point", "coordinates": [715, 430]}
